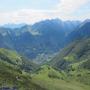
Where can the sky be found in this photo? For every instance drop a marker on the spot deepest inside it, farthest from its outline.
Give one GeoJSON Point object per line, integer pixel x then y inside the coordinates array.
{"type": "Point", "coordinates": [31, 11]}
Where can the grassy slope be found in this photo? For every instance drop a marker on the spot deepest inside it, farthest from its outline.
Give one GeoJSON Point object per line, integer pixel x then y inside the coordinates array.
{"type": "Point", "coordinates": [13, 58]}
{"type": "Point", "coordinates": [74, 66]}
{"type": "Point", "coordinates": [75, 61]}
{"type": "Point", "coordinates": [51, 79]}
{"type": "Point", "coordinates": [12, 75]}
{"type": "Point", "coordinates": [74, 76]}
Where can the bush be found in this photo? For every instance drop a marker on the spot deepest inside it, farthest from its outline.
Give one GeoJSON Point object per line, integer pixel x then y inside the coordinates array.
{"type": "Point", "coordinates": [53, 75]}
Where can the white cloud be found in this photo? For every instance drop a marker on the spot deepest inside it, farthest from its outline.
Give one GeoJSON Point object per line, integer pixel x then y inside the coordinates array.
{"type": "Point", "coordinates": [70, 6]}
{"type": "Point", "coordinates": [63, 10]}
{"type": "Point", "coordinates": [27, 16]}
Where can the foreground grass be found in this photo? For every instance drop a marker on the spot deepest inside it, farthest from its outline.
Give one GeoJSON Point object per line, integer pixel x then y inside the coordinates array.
{"type": "Point", "coordinates": [43, 79]}
{"type": "Point", "coordinates": [13, 77]}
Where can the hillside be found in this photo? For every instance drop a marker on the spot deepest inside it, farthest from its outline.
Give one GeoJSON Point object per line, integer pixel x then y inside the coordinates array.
{"type": "Point", "coordinates": [78, 48]}
{"type": "Point", "coordinates": [52, 79]}
{"type": "Point", "coordinates": [12, 75]}
{"type": "Point", "coordinates": [13, 58]}
{"type": "Point", "coordinates": [75, 60]}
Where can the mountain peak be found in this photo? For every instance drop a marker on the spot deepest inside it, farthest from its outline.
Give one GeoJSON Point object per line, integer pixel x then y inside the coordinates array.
{"type": "Point", "coordinates": [13, 26]}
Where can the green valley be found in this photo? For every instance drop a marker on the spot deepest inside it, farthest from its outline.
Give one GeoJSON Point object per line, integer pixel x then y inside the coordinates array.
{"type": "Point", "coordinates": [49, 55]}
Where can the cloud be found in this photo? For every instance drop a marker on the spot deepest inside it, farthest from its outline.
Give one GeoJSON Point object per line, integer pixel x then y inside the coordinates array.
{"type": "Point", "coordinates": [25, 15]}
{"type": "Point", "coordinates": [63, 10]}
{"type": "Point", "coordinates": [70, 6]}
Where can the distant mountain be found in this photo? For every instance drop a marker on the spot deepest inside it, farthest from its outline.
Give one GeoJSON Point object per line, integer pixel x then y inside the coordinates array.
{"type": "Point", "coordinates": [42, 39]}
{"type": "Point", "coordinates": [81, 32]}
{"type": "Point", "coordinates": [66, 26]}
{"type": "Point", "coordinates": [13, 26]}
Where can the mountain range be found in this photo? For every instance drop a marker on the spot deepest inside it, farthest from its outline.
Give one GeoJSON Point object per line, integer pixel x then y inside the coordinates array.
{"type": "Point", "coordinates": [48, 55]}
{"type": "Point", "coordinates": [44, 38]}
